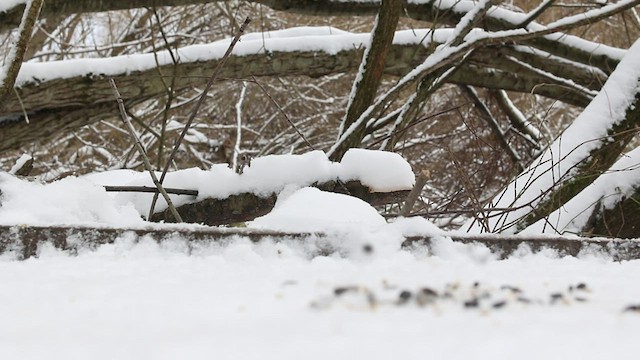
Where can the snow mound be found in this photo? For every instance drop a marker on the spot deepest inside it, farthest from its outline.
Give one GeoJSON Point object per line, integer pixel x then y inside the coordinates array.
{"type": "Point", "coordinates": [67, 201]}
{"type": "Point", "coordinates": [310, 209]}
{"type": "Point", "coordinates": [380, 171]}
{"type": "Point", "coordinates": [84, 200]}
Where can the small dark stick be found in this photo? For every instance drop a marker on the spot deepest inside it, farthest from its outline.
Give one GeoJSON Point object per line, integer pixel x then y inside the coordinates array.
{"type": "Point", "coordinates": [413, 196]}
{"type": "Point", "coordinates": [149, 189]}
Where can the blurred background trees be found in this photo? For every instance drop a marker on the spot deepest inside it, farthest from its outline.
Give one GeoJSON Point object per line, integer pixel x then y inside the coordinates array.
{"type": "Point", "coordinates": [472, 139]}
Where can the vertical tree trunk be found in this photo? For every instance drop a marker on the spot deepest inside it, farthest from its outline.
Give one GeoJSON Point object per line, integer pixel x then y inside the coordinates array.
{"type": "Point", "coordinates": [370, 74]}
{"type": "Point", "coordinates": [14, 61]}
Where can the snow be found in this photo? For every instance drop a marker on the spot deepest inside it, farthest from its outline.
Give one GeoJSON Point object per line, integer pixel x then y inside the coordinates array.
{"type": "Point", "coordinates": [68, 201]}
{"type": "Point", "coordinates": [310, 209]}
{"type": "Point", "coordinates": [272, 301]}
{"type": "Point", "coordinates": [322, 39]}
{"type": "Point", "coordinates": [278, 299]}
{"type": "Point", "coordinates": [20, 163]}
{"type": "Point", "coordinates": [585, 134]}
{"type": "Point", "coordinates": [10, 4]}
{"type": "Point", "coordinates": [275, 299]}
{"type": "Point", "coordinates": [619, 182]}
{"type": "Point", "coordinates": [84, 201]}
{"type": "Point", "coordinates": [386, 172]}
{"type": "Point", "coordinates": [269, 175]}
{"type": "Point", "coordinates": [371, 299]}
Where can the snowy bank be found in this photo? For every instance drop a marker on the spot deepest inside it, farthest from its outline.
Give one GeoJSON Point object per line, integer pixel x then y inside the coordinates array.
{"type": "Point", "coordinates": [84, 200]}
{"type": "Point", "coordinates": [270, 301]}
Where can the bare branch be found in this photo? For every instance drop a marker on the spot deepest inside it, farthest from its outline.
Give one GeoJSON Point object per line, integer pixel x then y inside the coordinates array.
{"type": "Point", "coordinates": [197, 106]}
{"type": "Point", "coordinates": [143, 153]}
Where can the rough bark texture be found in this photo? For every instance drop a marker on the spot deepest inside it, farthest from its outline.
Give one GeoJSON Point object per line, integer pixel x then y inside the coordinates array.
{"type": "Point", "coordinates": [621, 221]}
{"type": "Point", "coordinates": [24, 241]}
{"type": "Point", "coordinates": [66, 104]}
{"type": "Point", "coordinates": [424, 11]}
{"type": "Point", "coordinates": [247, 206]}
{"type": "Point", "coordinates": [372, 69]}
{"type": "Point", "coordinates": [20, 47]}
{"type": "Point", "coordinates": [586, 171]}
{"type": "Point", "coordinates": [503, 246]}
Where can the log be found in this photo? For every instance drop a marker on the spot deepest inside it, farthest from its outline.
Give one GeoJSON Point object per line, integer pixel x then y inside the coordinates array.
{"type": "Point", "coordinates": [430, 11]}
{"type": "Point", "coordinates": [248, 206]}
{"type": "Point", "coordinates": [621, 220]}
{"type": "Point", "coordinates": [24, 240]}
{"type": "Point", "coordinates": [506, 245]}
{"type": "Point", "coordinates": [63, 105]}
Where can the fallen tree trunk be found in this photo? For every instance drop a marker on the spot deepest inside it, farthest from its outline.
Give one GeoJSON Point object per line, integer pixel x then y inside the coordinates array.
{"type": "Point", "coordinates": [621, 220]}
{"type": "Point", "coordinates": [60, 105]}
{"type": "Point", "coordinates": [621, 132]}
{"type": "Point", "coordinates": [431, 11]}
{"type": "Point", "coordinates": [248, 206]}
{"type": "Point", "coordinates": [24, 241]}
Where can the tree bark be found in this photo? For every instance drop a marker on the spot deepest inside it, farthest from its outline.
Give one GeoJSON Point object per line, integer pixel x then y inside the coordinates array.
{"type": "Point", "coordinates": [24, 241]}
{"type": "Point", "coordinates": [591, 167]}
{"type": "Point", "coordinates": [16, 55]}
{"type": "Point", "coordinates": [370, 75]}
{"type": "Point", "coordinates": [248, 206]}
{"type": "Point", "coordinates": [66, 104]}
{"type": "Point", "coordinates": [620, 221]}
{"type": "Point", "coordinates": [432, 11]}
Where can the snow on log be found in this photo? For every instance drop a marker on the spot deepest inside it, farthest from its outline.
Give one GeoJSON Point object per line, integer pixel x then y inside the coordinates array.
{"type": "Point", "coordinates": [248, 206]}
{"type": "Point", "coordinates": [446, 12]}
{"type": "Point", "coordinates": [66, 95]}
{"type": "Point", "coordinates": [585, 150]}
{"type": "Point", "coordinates": [504, 246]}
{"type": "Point", "coordinates": [24, 241]}
{"type": "Point", "coordinates": [610, 206]}
{"type": "Point", "coordinates": [223, 195]}
{"type": "Point", "coordinates": [226, 197]}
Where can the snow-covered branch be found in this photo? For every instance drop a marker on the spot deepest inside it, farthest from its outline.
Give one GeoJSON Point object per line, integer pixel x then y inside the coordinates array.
{"type": "Point", "coordinates": [445, 12]}
{"type": "Point", "coordinates": [585, 150]}
{"type": "Point", "coordinates": [63, 95]}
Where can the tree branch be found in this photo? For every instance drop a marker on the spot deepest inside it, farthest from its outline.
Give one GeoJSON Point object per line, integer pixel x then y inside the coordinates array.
{"type": "Point", "coordinates": [9, 73]}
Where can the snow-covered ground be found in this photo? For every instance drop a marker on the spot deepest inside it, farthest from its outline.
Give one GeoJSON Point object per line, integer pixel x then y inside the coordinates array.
{"type": "Point", "coordinates": [280, 300]}
{"type": "Point", "coordinates": [272, 301]}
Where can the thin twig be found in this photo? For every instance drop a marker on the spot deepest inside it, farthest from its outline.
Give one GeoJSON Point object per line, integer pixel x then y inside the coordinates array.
{"type": "Point", "coordinates": [24, 111]}
{"type": "Point", "coordinates": [149, 189]}
{"type": "Point", "coordinates": [281, 111]}
{"type": "Point", "coordinates": [535, 13]}
{"type": "Point", "coordinates": [194, 112]}
{"type": "Point", "coordinates": [145, 159]}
